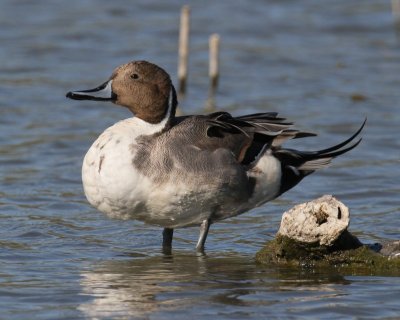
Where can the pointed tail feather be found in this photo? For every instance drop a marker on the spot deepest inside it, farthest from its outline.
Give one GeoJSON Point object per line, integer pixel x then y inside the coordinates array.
{"type": "Point", "coordinates": [342, 144]}
{"type": "Point", "coordinates": [298, 164]}
{"type": "Point", "coordinates": [321, 159]}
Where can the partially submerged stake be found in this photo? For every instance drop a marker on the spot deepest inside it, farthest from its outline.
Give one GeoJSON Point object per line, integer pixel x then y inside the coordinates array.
{"type": "Point", "coordinates": [213, 71]}
{"type": "Point", "coordinates": [396, 14]}
{"type": "Point", "coordinates": [183, 49]}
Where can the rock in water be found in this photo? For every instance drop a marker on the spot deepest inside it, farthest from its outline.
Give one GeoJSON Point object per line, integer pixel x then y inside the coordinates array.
{"type": "Point", "coordinates": [319, 221]}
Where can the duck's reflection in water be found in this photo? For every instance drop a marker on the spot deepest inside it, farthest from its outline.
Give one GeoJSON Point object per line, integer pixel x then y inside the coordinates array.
{"type": "Point", "coordinates": [138, 287]}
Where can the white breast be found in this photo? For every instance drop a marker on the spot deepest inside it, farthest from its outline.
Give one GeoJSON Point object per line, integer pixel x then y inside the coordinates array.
{"type": "Point", "coordinates": [110, 181]}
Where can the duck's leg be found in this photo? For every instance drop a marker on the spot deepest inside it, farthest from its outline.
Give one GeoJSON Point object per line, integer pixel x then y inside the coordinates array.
{"type": "Point", "coordinates": [204, 227]}
{"type": "Point", "coordinates": [167, 235]}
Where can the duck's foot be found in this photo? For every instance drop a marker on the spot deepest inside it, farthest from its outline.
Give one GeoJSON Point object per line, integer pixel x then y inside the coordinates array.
{"type": "Point", "coordinates": [168, 234]}
{"type": "Point", "coordinates": [205, 226]}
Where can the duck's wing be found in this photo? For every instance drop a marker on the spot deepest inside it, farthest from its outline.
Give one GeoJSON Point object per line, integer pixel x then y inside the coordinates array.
{"type": "Point", "coordinates": [219, 143]}
{"type": "Point", "coordinates": [248, 136]}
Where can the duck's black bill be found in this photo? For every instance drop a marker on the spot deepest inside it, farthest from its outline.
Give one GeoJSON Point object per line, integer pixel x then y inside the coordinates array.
{"type": "Point", "coordinates": [100, 93]}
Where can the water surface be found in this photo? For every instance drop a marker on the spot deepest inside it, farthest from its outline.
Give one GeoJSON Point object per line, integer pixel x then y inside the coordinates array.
{"type": "Point", "coordinates": [325, 66]}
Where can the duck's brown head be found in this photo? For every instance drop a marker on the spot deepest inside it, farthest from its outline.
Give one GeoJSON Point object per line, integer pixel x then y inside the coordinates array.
{"type": "Point", "coordinates": [142, 87]}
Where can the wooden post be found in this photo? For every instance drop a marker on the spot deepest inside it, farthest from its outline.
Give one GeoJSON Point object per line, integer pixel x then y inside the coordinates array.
{"type": "Point", "coordinates": [183, 49]}
{"type": "Point", "coordinates": [213, 71]}
{"type": "Point", "coordinates": [396, 14]}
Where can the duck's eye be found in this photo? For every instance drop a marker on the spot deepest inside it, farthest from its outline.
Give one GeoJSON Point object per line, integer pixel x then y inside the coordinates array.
{"type": "Point", "coordinates": [134, 76]}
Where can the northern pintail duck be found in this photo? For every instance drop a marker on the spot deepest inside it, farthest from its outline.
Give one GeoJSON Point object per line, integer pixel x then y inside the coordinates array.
{"type": "Point", "coordinates": [191, 170]}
